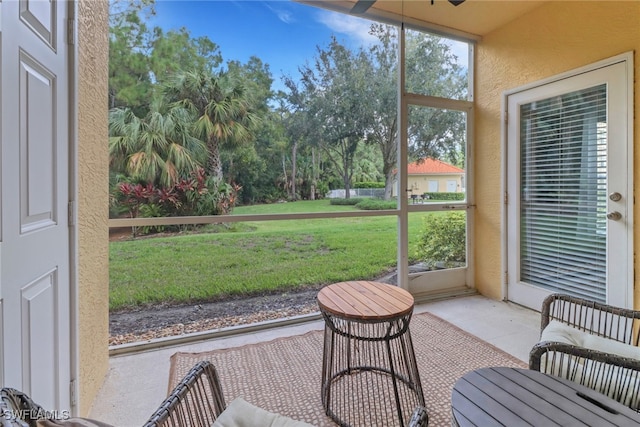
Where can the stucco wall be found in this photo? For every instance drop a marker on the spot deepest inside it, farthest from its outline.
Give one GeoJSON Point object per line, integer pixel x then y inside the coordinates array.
{"type": "Point", "coordinates": [554, 38]}
{"type": "Point", "coordinates": [93, 177]}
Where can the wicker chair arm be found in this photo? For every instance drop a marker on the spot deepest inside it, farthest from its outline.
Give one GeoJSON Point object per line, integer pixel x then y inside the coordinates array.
{"type": "Point", "coordinates": [196, 401]}
{"type": "Point", "coordinates": [420, 418]}
{"type": "Point", "coordinates": [615, 376]}
{"type": "Point", "coordinates": [602, 319]}
{"type": "Point", "coordinates": [541, 348]}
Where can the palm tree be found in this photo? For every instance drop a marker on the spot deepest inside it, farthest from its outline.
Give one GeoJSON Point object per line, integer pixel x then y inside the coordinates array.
{"type": "Point", "coordinates": [223, 111]}
{"type": "Point", "coordinates": [158, 148]}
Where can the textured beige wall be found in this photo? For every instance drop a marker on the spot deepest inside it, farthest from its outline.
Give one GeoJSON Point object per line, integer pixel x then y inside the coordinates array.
{"type": "Point", "coordinates": [557, 37]}
{"type": "Point", "coordinates": [93, 177]}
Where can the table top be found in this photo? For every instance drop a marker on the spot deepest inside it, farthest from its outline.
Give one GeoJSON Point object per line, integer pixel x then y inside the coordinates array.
{"type": "Point", "coordinates": [513, 397]}
{"type": "Point", "coordinates": [364, 300]}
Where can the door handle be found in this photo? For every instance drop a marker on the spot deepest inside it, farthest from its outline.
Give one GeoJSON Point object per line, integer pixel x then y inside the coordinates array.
{"type": "Point", "coordinates": [615, 196]}
{"type": "Point", "coordinates": [614, 216]}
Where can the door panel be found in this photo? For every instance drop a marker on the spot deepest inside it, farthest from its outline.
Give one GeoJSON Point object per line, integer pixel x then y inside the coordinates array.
{"type": "Point", "coordinates": [39, 313]}
{"type": "Point", "coordinates": [37, 115]}
{"type": "Point", "coordinates": [567, 151]}
{"type": "Point", "coordinates": [40, 17]}
{"type": "Point", "coordinates": [35, 285]}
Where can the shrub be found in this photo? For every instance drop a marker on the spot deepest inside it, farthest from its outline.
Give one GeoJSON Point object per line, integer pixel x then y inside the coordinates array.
{"type": "Point", "coordinates": [368, 185]}
{"type": "Point", "coordinates": [444, 196]}
{"type": "Point", "coordinates": [376, 204]}
{"type": "Point", "coordinates": [195, 195]}
{"type": "Point", "coordinates": [199, 195]}
{"type": "Point", "coordinates": [443, 239]}
{"type": "Point", "coordinates": [151, 210]}
{"type": "Point", "coordinates": [346, 202]}
{"type": "Point", "coordinates": [322, 188]}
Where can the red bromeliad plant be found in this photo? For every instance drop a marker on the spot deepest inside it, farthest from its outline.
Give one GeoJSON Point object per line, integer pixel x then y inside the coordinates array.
{"type": "Point", "coordinates": [197, 194]}
{"type": "Point", "coordinates": [227, 203]}
{"type": "Point", "coordinates": [135, 195]}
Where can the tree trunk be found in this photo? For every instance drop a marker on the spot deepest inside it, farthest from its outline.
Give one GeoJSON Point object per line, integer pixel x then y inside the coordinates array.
{"type": "Point", "coordinates": [284, 173]}
{"type": "Point", "coordinates": [294, 174]}
{"type": "Point", "coordinates": [214, 165]}
{"type": "Point", "coordinates": [390, 161]}
{"type": "Point", "coordinates": [231, 175]}
{"type": "Point", "coordinates": [347, 182]}
{"type": "Point", "coordinates": [388, 185]}
{"type": "Point", "coordinates": [313, 174]}
{"type": "Point", "coordinates": [347, 189]}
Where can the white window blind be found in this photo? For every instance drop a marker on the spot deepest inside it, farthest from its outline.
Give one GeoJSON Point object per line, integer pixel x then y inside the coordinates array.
{"type": "Point", "coordinates": [563, 193]}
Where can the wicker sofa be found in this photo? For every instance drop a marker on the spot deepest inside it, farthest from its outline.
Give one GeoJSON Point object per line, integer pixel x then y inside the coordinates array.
{"type": "Point", "coordinates": [592, 343]}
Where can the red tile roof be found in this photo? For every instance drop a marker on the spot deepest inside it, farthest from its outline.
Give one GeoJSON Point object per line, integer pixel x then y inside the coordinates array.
{"type": "Point", "coordinates": [432, 166]}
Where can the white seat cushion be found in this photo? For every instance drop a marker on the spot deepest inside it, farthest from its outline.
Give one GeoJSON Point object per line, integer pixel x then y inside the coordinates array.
{"type": "Point", "coordinates": [561, 332]}
{"type": "Point", "coordinates": [608, 379]}
{"type": "Point", "coordinates": [241, 413]}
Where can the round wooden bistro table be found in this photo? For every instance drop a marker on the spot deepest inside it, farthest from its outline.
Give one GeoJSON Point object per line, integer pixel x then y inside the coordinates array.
{"type": "Point", "coordinates": [369, 371]}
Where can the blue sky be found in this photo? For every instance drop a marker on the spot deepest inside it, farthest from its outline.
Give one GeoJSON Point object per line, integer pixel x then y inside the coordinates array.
{"type": "Point", "coordinates": [282, 33]}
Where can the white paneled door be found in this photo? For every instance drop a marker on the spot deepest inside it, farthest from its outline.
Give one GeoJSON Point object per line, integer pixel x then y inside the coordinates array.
{"type": "Point", "coordinates": [35, 279]}
{"type": "Point", "coordinates": [569, 187]}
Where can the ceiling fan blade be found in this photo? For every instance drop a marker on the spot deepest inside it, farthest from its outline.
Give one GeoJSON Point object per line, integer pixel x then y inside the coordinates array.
{"type": "Point", "coordinates": [362, 6]}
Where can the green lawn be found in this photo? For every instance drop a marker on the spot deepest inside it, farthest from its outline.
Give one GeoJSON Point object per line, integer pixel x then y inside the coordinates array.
{"type": "Point", "coordinates": [292, 207]}
{"type": "Point", "coordinates": [251, 257]}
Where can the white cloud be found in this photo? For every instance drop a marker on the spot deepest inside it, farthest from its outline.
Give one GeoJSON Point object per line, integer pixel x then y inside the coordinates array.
{"type": "Point", "coordinates": [356, 29]}
{"type": "Point", "coordinates": [283, 15]}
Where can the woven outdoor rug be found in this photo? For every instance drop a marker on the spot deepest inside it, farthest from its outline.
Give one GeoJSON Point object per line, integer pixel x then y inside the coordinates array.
{"type": "Point", "coordinates": [283, 375]}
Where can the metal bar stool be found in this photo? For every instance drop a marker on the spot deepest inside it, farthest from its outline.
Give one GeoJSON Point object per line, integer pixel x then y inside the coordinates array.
{"type": "Point", "coordinates": [369, 370]}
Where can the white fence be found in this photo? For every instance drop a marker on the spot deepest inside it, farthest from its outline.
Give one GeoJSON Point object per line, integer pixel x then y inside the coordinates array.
{"type": "Point", "coordinates": [356, 192]}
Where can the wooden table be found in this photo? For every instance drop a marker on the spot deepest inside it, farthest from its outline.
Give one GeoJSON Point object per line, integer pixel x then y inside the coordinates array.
{"type": "Point", "coordinates": [369, 371]}
{"type": "Point", "coordinates": [365, 300]}
{"type": "Point", "coordinates": [515, 397]}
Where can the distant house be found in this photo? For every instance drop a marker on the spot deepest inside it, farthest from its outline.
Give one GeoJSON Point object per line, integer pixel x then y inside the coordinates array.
{"type": "Point", "coordinates": [433, 176]}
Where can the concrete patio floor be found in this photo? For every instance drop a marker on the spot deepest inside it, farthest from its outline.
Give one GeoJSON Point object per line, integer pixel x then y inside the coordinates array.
{"type": "Point", "coordinates": [136, 384]}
